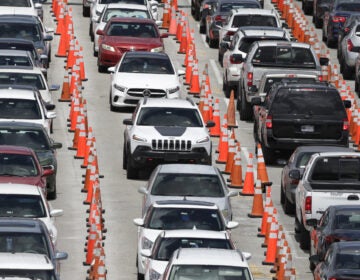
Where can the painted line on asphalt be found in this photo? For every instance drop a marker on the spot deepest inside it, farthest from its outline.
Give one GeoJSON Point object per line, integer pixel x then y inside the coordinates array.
{"type": "Point", "coordinates": [217, 73]}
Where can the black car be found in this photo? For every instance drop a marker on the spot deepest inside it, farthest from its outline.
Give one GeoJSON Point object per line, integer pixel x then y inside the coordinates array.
{"type": "Point", "coordinates": [342, 261]}
{"type": "Point", "coordinates": [23, 235]}
{"type": "Point", "coordinates": [300, 114]}
{"type": "Point", "coordinates": [207, 9]}
{"type": "Point", "coordinates": [298, 161]}
{"type": "Point", "coordinates": [13, 133]}
{"type": "Point", "coordinates": [29, 28]}
{"type": "Point", "coordinates": [338, 223]}
{"type": "Point", "coordinates": [319, 8]}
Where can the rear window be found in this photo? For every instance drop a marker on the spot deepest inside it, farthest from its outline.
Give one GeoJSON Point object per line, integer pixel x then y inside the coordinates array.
{"type": "Point", "coordinates": [349, 6]}
{"type": "Point", "coordinates": [225, 8]}
{"type": "Point", "coordinates": [110, 13]}
{"type": "Point", "coordinates": [308, 101]}
{"type": "Point", "coordinates": [254, 20]}
{"type": "Point", "coordinates": [270, 81]}
{"type": "Point", "coordinates": [347, 219]}
{"type": "Point", "coordinates": [284, 56]}
{"type": "Point", "coordinates": [247, 42]}
{"type": "Point", "coordinates": [336, 169]}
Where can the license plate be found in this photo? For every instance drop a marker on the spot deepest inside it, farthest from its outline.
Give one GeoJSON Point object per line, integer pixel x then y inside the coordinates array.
{"type": "Point", "coordinates": [307, 128]}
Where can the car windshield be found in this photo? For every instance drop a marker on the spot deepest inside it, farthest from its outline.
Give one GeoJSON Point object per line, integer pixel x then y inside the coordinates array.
{"type": "Point", "coordinates": [318, 102]}
{"type": "Point", "coordinates": [17, 165]}
{"type": "Point", "coordinates": [28, 274]}
{"type": "Point", "coordinates": [141, 2]}
{"type": "Point", "coordinates": [25, 79]}
{"type": "Point", "coordinates": [178, 184]}
{"type": "Point", "coordinates": [347, 219]}
{"type": "Point", "coordinates": [348, 259]}
{"type": "Point", "coordinates": [15, 61]}
{"type": "Point", "coordinates": [185, 218]}
{"type": "Point", "coordinates": [19, 109]}
{"type": "Point", "coordinates": [169, 245]}
{"type": "Point", "coordinates": [146, 65]}
{"type": "Point", "coordinates": [142, 30]}
{"type": "Point", "coordinates": [284, 56]}
{"type": "Point", "coordinates": [227, 7]}
{"type": "Point", "coordinates": [15, 3]}
{"type": "Point", "coordinates": [254, 20]}
{"type": "Point", "coordinates": [158, 116]}
{"type": "Point", "coordinates": [245, 44]}
{"type": "Point", "coordinates": [206, 272]}
{"type": "Point", "coordinates": [23, 242]}
{"type": "Point", "coordinates": [17, 205]}
{"type": "Point", "coordinates": [34, 139]}
{"type": "Point", "coordinates": [20, 30]}
{"type": "Point", "coordinates": [122, 12]}
{"type": "Point", "coordinates": [348, 6]}
{"type": "Point", "coordinates": [270, 81]}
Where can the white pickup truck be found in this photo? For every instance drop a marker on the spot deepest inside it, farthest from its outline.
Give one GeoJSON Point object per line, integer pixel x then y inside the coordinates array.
{"type": "Point", "coordinates": [330, 178]}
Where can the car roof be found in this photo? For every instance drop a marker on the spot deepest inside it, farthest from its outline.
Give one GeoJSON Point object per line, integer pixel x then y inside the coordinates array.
{"type": "Point", "coordinates": [23, 189]}
{"type": "Point", "coordinates": [11, 93]}
{"type": "Point", "coordinates": [345, 207]}
{"type": "Point", "coordinates": [28, 261]}
{"type": "Point", "coordinates": [282, 43]}
{"type": "Point", "coordinates": [12, 149]}
{"type": "Point", "coordinates": [209, 256]}
{"type": "Point", "coordinates": [24, 69]}
{"type": "Point", "coordinates": [255, 31]}
{"type": "Point", "coordinates": [237, 1]}
{"type": "Point", "coordinates": [289, 72]}
{"type": "Point", "coordinates": [15, 224]}
{"type": "Point", "coordinates": [131, 19]}
{"type": "Point", "coordinates": [339, 154]}
{"type": "Point", "coordinates": [253, 11]}
{"type": "Point", "coordinates": [21, 125]}
{"type": "Point", "coordinates": [188, 168]}
{"type": "Point", "coordinates": [317, 149]}
{"type": "Point", "coordinates": [184, 204]}
{"type": "Point", "coordinates": [14, 52]}
{"type": "Point", "coordinates": [11, 43]}
{"type": "Point", "coordinates": [194, 233]}
{"type": "Point", "coordinates": [354, 245]}
{"type": "Point", "coordinates": [146, 54]}
{"type": "Point", "coordinates": [172, 103]}
{"type": "Point", "coordinates": [314, 85]}
{"type": "Point", "coordinates": [19, 18]}
{"type": "Point", "coordinates": [127, 6]}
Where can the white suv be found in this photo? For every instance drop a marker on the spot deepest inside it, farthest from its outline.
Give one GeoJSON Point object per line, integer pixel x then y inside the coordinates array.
{"type": "Point", "coordinates": [165, 130]}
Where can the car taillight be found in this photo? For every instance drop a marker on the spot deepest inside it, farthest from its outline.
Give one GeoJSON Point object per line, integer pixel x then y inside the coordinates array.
{"type": "Point", "coordinates": [219, 18]}
{"type": "Point", "coordinates": [230, 33]}
{"type": "Point", "coordinates": [346, 124]}
{"type": "Point", "coordinates": [339, 19]}
{"type": "Point", "coordinates": [308, 205]}
{"type": "Point", "coordinates": [346, 30]}
{"type": "Point", "coordinates": [233, 61]}
{"type": "Point", "coordinates": [320, 78]}
{"type": "Point", "coordinates": [268, 122]}
{"type": "Point", "coordinates": [329, 239]}
{"type": "Point", "coordinates": [349, 45]}
{"type": "Point", "coordinates": [294, 181]}
{"type": "Point", "coordinates": [250, 79]}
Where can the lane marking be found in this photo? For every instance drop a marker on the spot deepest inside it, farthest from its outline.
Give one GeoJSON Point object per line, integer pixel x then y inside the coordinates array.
{"type": "Point", "coordinates": [217, 73]}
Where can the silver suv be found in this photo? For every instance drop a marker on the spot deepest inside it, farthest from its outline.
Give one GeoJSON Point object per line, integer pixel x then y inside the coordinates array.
{"type": "Point", "coordinates": [165, 130]}
{"type": "Point", "coordinates": [268, 56]}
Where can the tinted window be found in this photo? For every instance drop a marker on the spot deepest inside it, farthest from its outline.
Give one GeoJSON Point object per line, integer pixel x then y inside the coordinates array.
{"type": "Point", "coordinates": [15, 61]}
{"type": "Point", "coordinates": [25, 79]}
{"type": "Point", "coordinates": [15, 3]}
{"type": "Point", "coordinates": [33, 274]}
{"type": "Point", "coordinates": [18, 165]}
{"type": "Point", "coordinates": [169, 117]}
{"type": "Point", "coordinates": [347, 219]}
{"type": "Point", "coordinates": [350, 6]}
{"type": "Point", "coordinates": [270, 81]}
{"type": "Point", "coordinates": [254, 20]}
{"type": "Point", "coordinates": [308, 101]}
{"type": "Point", "coordinates": [110, 13]}
{"type": "Point", "coordinates": [303, 159]}
{"type": "Point", "coordinates": [146, 65]}
{"type": "Point", "coordinates": [27, 206]}
{"type": "Point", "coordinates": [22, 242]}
{"type": "Point", "coordinates": [142, 30]}
{"type": "Point", "coordinates": [348, 259]}
{"type": "Point", "coordinates": [169, 245]}
{"type": "Point", "coordinates": [187, 185]}
{"type": "Point", "coordinates": [284, 56]}
{"type": "Point", "coordinates": [20, 30]}
{"type": "Point", "coordinates": [35, 139]}
{"type": "Point", "coordinates": [225, 8]}
{"type": "Point", "coordinates": [185, 218]}
{"type": "Point", "coordinates": [19, 109]}
{"type": "Point", "coordinates": [336, 169]}
{"type": "Point", "coordinates": [245, 44]}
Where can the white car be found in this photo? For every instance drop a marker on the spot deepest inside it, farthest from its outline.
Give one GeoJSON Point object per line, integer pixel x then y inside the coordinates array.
{"type": "Point", "coordinates": [208, 263]}
{"type": "Point", "coordinates": [117, 10]}
{"type": "Point", "coordinates": [170, 240]}
{"type": "Point", "coordinates": [28, 201]}
{"type": "Point", "coordinates": [28, 76]}
{"type": "Point", "coordinates": [176, 214]}
{"type": "Point", "coordinates": [140, 74]}
{"type": "Point", "coordinates": [27, 7]}
{"type": "Point", "coordinates": [20, 103]}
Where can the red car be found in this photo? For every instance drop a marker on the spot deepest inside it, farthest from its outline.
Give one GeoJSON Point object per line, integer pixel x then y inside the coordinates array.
{"type": "Point", "coordinates": [20, 165]}
{"type": "Point", "coordinates": [127, 34]}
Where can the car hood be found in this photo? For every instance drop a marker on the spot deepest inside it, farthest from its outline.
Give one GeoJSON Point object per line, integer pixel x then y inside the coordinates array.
{"type": "Point", "coordinates": [158, 266]}
{"type": "Point", "coordinates": [18, 11]}
{"type": "Point", "coordinates": [21, 180]}
{"type": "Point", "coordinates": [140, 80]}
{"type": "Point", "coordinates": [151, 234]}
{"type": "Point", "coordinates": [128, 42]}
{"type": "Point", "coordinates": [169, 131]}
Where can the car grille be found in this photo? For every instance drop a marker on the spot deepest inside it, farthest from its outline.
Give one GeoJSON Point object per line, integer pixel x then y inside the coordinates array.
{"type": "Point", "coordinates": [171, 145]}
{"type": "Point", "coordinates": [123, 50]}
{"type": "Point", "coordinates": [139, 92]}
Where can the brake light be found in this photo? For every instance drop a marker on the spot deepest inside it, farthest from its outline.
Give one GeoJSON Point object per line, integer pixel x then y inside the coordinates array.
{"type": "Point", "coordinates": [219, 18]}
{"type": "Point", "coordinates": [346, 124]}
{"type": "Point", "coordinates": [268, 122]}
{"type": "Point", "coordinates": [233, 61]}
{"type": "Point", "coordinates": [308, 202]}
{"type": "Point", "coordinates": [320, 78]}
{"type": "Point", "coordinates": [250, 79]}
{"type": "Point", "coordinates": [230, 33]}
{"type": "Point", "coordinates": [346, 30]}
{"type": "Point", "coordinates": [294, 181]}
{"type": "Point", "coordinates": [339, 19]}
{"type": "Point", "coordinates": [349, 45]}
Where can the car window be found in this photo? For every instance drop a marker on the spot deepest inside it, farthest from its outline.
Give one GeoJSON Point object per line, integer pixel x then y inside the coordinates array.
{"type": "Point", "coordinates": [26, 206]}
{"type": "Point", "coordinates": [303, 159]}
{"type": "Point", "coordinates": [168, 245]}
{"type": "Point", "coordinates": [227, 7]}
{"type": "Point", "coordinates": [20, 30]}
{"type": "Point", "coordinates": [17, 165]}
{"type": "Point", "coordinates": [142, 30]}
{"type": "Point", "coordinates": [185, 218]}
{"type": "Point", "coordinates": [348, 6]}
{"type": "Point", "coordinates": [26, 79]}
{"type": "Point", "coordinates": [324, 219]}
{"type": "Point", "coordinates": [169, 117]}
{"type": "Point", "coordinates": [347, 219]}
{"type": "Point", "coordinates": [272, 80]}
{"type": "Point", "coordinates": [35, 139]}
{"type": "Point", "coordinates": [254, 20]}
{"type": "Point", "coordinates": [357, 30]}
{"type": "Point", "coordinates": [22, 242]}
{"type": "Point", "coordinates": [247, 42]}
{"type": "Point", "coordinates": [19, 109]}
{"type": "Point", "coordinates": [110, 13]}
{"type": "Point", "coordinates": [146, 65]}
{"type": "Point", "coordinates": [178, 184]}
{"type": "Point", "coordinates": [15, 3]}
{"type": "Point", "coordinates": [32, 273]}
{"type": "Point", "coordinates": [15, 61]}
{"type": "Point", "coordinates": [348, 259]}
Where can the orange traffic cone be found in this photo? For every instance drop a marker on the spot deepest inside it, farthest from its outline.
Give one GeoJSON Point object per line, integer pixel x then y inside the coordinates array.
{"type": "Point", "coordinates": [166, 16]}
{"type": "Point", "coordinates": [257, 210]}
{"type": "Point", "coordinates": [62, 49]}
{"type": "Point", "coordinates": [215, 130]}
{"type": "Point", "coordinates": [223, 147]}
{"type": "Point", "coordinates": [236, 171]}
{"type": "Point", "coordinates": [173, 23]}
{"type": "Point", "coordinates": [60, 28]}
{"type": "Point", "coordinates": [248, 189]}
{"type": "Point", "coordinates": [194, 83]}
{"type": "Point", "coordinates": [231, 111]}
{"type": "Point", "coordinates": [261, 167]}
{"type": "Point", "coordinates": [92, 238]}
{"type": "Point", "coordinates": [81, 145]}
{"type": "Point", "coordinates": [271, 248]}
{"type": "Point", "coordinates": [230, 156]}
{"type": "Point", "coordinates": [65, 92]}
{"type": "Point", "coordinates": [268, 206]}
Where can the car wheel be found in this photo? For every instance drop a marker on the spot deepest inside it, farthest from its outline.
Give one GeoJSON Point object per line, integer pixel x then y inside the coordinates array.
{"type": "Point", "coordinates": [192, 9]}
{"type": "Point", "coordinates": [91, 34]}
{"type": "Point", "coordinates": [238, 99]}
{"type": "Point", "coordinates": [132, 172]}
{"type": "Point", "coordinates": [202, 29]}
{"type": "Point", "coordinates": [304, 238]}
{"type": "Point", "coordinates": [245, 112]}
{"type": "Point", "coordinates": [140, 276]}
{"type": "Point", "coordinates": [282, 194]}
{"type": "Point", "coordinates": [347, 72]}
{"type": "Point", "coordinates": [220, 59]}
{"type": "Point", "coordinates": [101, 68]}
{"type": "Point", "coordinates": [213, 43]}
{"type": "Point", "coordinates": [86, 11]}
{"type": "Point", "coordinates": [318, 22]}
{"type": "Point", "coordinates": [197, 15]}
{"type": "Point", "coordinates": [95, 53]}
{"type": "Point", "coordinates": [268, 154]}
{"type": "Point", "coordinates": [323, 36]}
{"type": "Point", "coordinates": [308, 9]}
{"type": "Point", "coordinates": [207, 39]}
{"type": "Point", "coordinates": [52, 195]}
{"type": "Point", "coordinates": [124, 159]}
{"type": "Point", "coordinates": [289, 208]}
{"type": "Point", "coordinates": [329, 42]}
{"type": "Point", "coordinates": [51, 127]}
{"type": "Point", "coordinates": [356, 86]}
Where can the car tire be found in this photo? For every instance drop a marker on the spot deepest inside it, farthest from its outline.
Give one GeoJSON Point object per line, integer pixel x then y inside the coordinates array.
{"type": "Point", "coordinates": [238, 99]}
{"type": "Point", "coordinates": [304, 238]}
{"type": "Point", "coordinates": [356, 86]}
{"type": "Point", "coordinates": [202, 29]}
{"type": "Point", "coordinates": [124, 162]}
{"type": "Point", "coordinates": [245, 112]}
{"type": "Point", "coordinates": [289, 208]}
{"type": "Point", "coordinates": [197, 15]}
{"type": "Point", "coordinates": [140, 276]}
{"type": "Point", "coordinates": [101, 68]}
{"type": "Point", "coordinates": [220, 59]}
{"type": "Point", "coordinates": [95, 53]}
{"type": "Point", "coordinates": [318, 22]}
{"type": "Point", "coordinates": [330, 43]}
{"type": "Point", "coordinates": [86, 11]}
{"type": "Point", "coordinates": [347, 72]}
{"type": "Point", "coordinates": [308, 9]}
{"type": "Point", "coordinates": [282, 194]}
{"type": "Point", "coordinates": [52, 195]}
{"type": "Point", "coordinates": [131, 171]}
{"type": "Point", "coordinates": [213, 43]}
{"type": "Point", "coordinates": [268, 154]}
{"type": "Point", "coordinates": [91, 34]}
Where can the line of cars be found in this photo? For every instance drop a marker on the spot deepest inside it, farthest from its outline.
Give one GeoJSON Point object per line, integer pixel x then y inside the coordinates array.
{"type": "Point", "coordinates": [28, 164]}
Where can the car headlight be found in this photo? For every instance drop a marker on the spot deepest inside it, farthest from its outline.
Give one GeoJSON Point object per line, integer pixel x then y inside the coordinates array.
{"type": "Point", "coordinates": [173, 90]}
{"type": "Point", "coordinates": [120, 88]}
{"type": "Point", "coordinates": [40, 51]}
{"type": "Point", "coordinates": [138, 138]}
{"type": "Point", "coordinates": [154, 275]}
{"type": "Point", "coordinates": [108, 48]}
{"type": "Point", "coordinates": [203, 140]}
{"type": "Point", "coordinates": [158, 49]}
{"type": "Point", "coordinates": [225, 213]}
{"type": "Point", "coordinates": [146, 243]}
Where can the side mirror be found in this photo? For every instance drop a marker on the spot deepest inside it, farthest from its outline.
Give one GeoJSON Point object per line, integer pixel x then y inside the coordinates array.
{"type": "Point", "coordinates": [61, 255]}
{"type": "Point", "coordinates": [180, 72]}
{"type": "Point", "coordinates": [164, 35]}
{"type": "Point", "coordinates": [56, 213]}
{"type": "Point", "coordinates": [295, 174]}
{"type": "Point", "coordinates": [232, 224]}
{"type": "Point", "coordinates": [256, 101]}
{"type": "Point", "coordinates": [139, 222]}
{"type": "Point", "coordinates": [246, 255]}
{"type": "Point", "coordinates": [158, 22]}
{"type": "Point", "coordinates": [314, 259]}
{"type": "Point", "coordinates": [284, 25]}
{"type": "Point", "coordinates": [143, 190]}
{"type": "Point", "coordinates": [49, 106]}
{"type": "Point", "coordinates": [210, 124]}
{"type": "Point", "coordinates": [54, 87]}
{"type": "Point", "coordinates": [324, 61]}
{"type": "Point", "coordinates": [100, 32]}
{"type": "Point", "coordinates": [94, 18]}
{"type": "Point", "coordinates": [236, 57]}
{"type": "Point", "coordinates": [51, 115]}
{"type": "Point", "coordinates": [128, 122]}
{"type": "Point", "coordinates": [227, 38]}
{"type": "Point", "coordinates": [111, 69]}
{"type": "Point", "coordinates": [49, 30]}
{"type": "Point", "coordinates": [224, 45]}
{"type": "Point", "coordinates": [56, 145]}
{"type": "Point", "coordinates": [312, 223]}
{"type": "Point", "coordinates": [347, 103]}
{"type": "Point", "coordinates": [48, 172]}
{"type": "Point", "coordinates": [37, 6]}
{"type": "Point", "coordinates": [253, 88]}
{"type": "Point", "coordinates": [232, 193]}
{"type": "Point", "coordinates": [48, 38]}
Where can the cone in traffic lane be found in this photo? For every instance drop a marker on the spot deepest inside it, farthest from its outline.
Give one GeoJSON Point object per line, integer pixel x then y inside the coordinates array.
{"type": "Point", "coordinates": [248, 189]}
